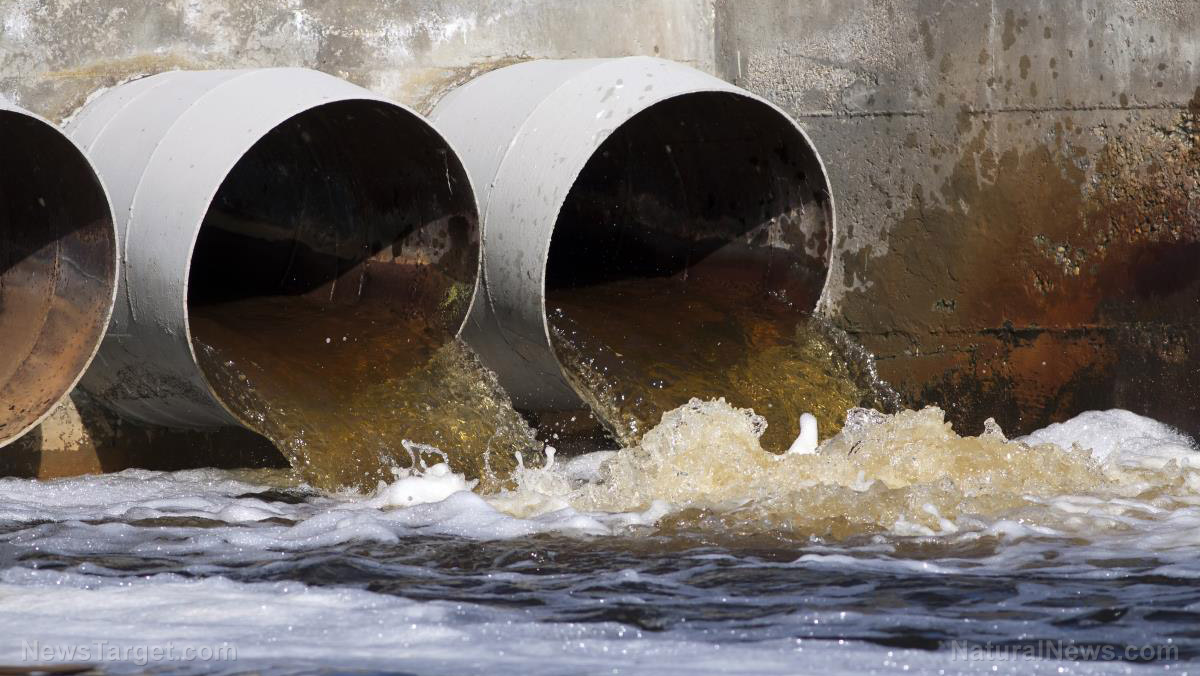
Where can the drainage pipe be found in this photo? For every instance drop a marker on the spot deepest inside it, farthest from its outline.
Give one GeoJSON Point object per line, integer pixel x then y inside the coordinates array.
{"type": "Point", "coordinates": [58, 271]}
{"type": "Point", "coordinates": [248, 190]}
{"type": "Point", "coordinates": [632, 167]}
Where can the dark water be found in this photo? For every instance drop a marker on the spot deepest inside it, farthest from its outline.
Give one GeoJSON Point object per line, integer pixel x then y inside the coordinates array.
{"type": "Point", "coordinates": [739, 592]}
{"type": "Point", "coordinates": [300, 582]}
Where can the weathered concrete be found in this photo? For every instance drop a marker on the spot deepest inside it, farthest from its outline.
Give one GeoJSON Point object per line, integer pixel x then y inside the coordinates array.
{"type": "Point", "coordinates": [1018, 187]}
{"type": "Point", "coordinates": [55, 53]}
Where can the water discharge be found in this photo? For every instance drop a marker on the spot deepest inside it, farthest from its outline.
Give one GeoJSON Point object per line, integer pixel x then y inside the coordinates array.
{"type": "Point", "coordinates": [631, 365]}
{"type": "Point", "coordinates": [902, 474]}
{"type": "Point", "coordinates": [385, 392]}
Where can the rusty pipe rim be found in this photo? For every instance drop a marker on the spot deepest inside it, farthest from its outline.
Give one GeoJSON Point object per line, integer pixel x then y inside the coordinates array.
{"type": "Point", "coordinates": [58, 268]}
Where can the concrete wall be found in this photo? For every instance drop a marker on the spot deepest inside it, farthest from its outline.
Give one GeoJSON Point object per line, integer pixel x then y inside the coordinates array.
{"type": "Point", "coordinates": [1018, 182]}
{"type": "Point", "coordinates": [1019, 190]}
{"type": "Point", "coordinates": [54, 53]}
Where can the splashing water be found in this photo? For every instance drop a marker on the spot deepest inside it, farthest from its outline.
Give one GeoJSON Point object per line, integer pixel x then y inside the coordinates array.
{"type": "Point", "coordinates": [755, 354]}
{"type": "Point", "coordinates": [898, 545]}
{"type": "Point", "coordinates": [347, 410]}
{"type": "Point", "coordinates": [903, 474]}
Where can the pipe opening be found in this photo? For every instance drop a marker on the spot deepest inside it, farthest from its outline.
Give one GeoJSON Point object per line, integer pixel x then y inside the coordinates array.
{"type": "Point", "coordinates": [351, 204]}
{"type": "Point", "coordinates": [689, 250]}
{"type": "Point", "coordinates": [340, 252]}
{"type": "Point", "coordinates": [700, 190]}
{"type": "Point", "coordinates": [57, 269]}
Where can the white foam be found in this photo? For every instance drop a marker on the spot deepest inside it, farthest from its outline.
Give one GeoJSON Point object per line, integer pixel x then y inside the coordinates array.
{"type": "Point", "coordinates": [439, 501]}
{"type": "Point", "coordinates": [128, 494]}
{"type": "Point", "coordinates": [433, 485]}
{"type": "Point", "coordinates": [1120, 437]}
{"type": "Point", "coordinates": [287, 626]}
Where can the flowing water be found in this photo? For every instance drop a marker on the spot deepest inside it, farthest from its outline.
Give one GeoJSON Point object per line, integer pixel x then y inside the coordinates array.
{"type": "Point", "coordinates": [897, 546]}
{"type": "Point", "coordinates": [638, 348]}
{"type": "Point", "coordinates": [423, 530]}
{"type": "Point", "coordinates": [345, 409]}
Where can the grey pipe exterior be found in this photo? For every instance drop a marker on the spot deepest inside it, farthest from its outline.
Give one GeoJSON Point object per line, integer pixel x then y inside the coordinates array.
{"type": "Point", "coordinates": [165, 145]}
{"type": "Point", "coordinates": [526, 132]}
{"type": "Point", "coordinates": [58, 271]}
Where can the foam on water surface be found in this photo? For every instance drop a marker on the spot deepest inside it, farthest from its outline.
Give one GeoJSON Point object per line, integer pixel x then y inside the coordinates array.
{"type": "Point", "coordinates": [694, 551]}
{"type": "Point", "coordinates": [902, 474]}
{"type": "Point", "coordinates": [703, 468]}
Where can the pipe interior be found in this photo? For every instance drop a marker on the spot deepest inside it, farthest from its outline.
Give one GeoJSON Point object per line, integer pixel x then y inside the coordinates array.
{"type": "Point", "coordinates": [686, 256]}
{"type": "Point", "coordinates": [57, 268]}
{"type": "Point", "coordinates": [700, 194]}
{"type": "Point", "coordinates": [352, 222]}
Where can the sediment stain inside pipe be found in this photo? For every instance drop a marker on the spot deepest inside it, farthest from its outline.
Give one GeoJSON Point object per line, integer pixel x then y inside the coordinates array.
{"type": "Point", "coordinates": [686, 262]}
{"type": "Point", "coordinates": [328, 282]}
{"type": "Point", "coordinates": [57, 268]}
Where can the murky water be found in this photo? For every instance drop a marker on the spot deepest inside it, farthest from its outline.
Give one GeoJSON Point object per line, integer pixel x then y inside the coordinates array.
{"type": "Point", "coordinates": [348, 408]}
{"type": "Point", "coordinates": [638, 348]}
{"type": "Point", "coordinates": [898, 546]}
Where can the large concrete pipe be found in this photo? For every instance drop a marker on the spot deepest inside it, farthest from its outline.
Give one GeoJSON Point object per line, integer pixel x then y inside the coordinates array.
{"type": "Point", "coordinates": [242, 193]}
{"type": "Point", "coordinates": [590, 171]}
{"type": "Point", "coordinates": [58, 271]}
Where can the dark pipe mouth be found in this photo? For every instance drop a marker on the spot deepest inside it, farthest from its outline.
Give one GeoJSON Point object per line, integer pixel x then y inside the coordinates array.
{"type": "Point", "coordinates": [57, 269]}
{"type": "Point", "coordinates": [352, 214]}
{"type": "Point", "coordinates": [704, 193]}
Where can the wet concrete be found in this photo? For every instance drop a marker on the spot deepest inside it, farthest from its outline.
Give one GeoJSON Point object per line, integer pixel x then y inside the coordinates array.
{"type": "Point", "coordinates": [1017, 193]}
{"type": "Point", "coordinates": [1029, 288]}
{"type": "Point", "coordinates": [54, 53]}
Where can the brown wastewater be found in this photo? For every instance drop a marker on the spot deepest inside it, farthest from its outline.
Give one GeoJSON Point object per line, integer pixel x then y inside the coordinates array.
{"type": "Point", "coordinates": [333, 271]}
{"type": "Point", "coordinates": [328, 283]}
{"type": "Point", "coordinates": [687, 261]}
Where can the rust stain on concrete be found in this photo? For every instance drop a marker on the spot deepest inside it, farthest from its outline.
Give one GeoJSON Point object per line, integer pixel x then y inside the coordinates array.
{"type": "Point", "coordinates": [1034, 283]}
